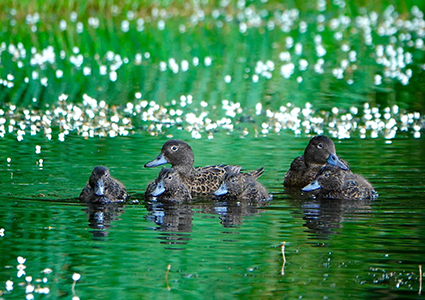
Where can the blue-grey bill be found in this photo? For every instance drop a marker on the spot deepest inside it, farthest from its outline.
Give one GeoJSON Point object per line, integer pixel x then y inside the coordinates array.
{"type": "Point", "coordinates": [335, 161]}
{"type": "Point", "coordinates": [221, 190]}
{"type": "Point", "coordinates": [159, 189]}
{"type": "Point", "coordinates": [99, 188]}
{"type": "Point", "coordinates": [159, 160]}
{"type": "Point", "coordinates": [314, 185]}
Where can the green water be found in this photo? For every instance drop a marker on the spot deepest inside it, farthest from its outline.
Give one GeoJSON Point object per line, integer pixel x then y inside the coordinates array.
{"type": "Point", "coordinates": [335, 250]}
{"type": "Point", "coordinates": [246, 83]}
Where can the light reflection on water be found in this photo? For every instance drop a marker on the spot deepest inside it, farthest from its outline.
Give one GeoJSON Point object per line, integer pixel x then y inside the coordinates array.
{"type": "Point", "coordinates": [330, 246]}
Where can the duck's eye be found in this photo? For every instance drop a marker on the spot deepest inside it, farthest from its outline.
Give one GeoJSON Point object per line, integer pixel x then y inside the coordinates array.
{"type": "Point", "coordinates": [106, 174]}
{"type": "Point", "coordinates": [174, 148]}
{"type": "Point", "coordinates": [233, 180]}
{"type": "Point", "coordinates": [170, 177]}
{"type": "Point", "coordinates": [320, 146]}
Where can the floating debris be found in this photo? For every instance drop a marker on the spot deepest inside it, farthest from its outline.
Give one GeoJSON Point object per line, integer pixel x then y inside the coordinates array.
{"type": "Point", "coordinates": [75, 278]}
{"type": "Point", "coordinates": [282, 272]}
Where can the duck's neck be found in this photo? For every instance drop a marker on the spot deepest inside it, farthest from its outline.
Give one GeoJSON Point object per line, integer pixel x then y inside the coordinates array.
{"type": "Point", "coordinates": [184, 170]}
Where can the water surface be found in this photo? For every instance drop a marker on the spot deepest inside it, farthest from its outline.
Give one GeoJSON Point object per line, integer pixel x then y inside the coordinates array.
{"type": "Point", "coordinates": [366, 249]}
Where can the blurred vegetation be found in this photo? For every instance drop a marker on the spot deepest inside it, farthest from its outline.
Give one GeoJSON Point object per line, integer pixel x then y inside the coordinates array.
{"type": "Point", "coordinates": [36, 26]}
{"type": "Point", "coordinates": [110, 8]}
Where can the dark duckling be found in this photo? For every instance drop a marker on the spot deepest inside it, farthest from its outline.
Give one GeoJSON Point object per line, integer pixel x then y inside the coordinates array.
{"type": "Point", "coordinates": [199, 181]}
{"type": "Point", "coordinates": [336, 183]}
{"type": "Point", "coordinates": [102, 188]}
{"type": "Point", "coordinates": [303, 170]}
{"type": "Point", "coordinates": [169, 186]}
{"type": "Point", "coordinates": [243, 186]}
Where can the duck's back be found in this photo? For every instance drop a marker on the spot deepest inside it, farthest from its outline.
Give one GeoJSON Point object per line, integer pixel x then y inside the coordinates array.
{"type": "Point", "coordinates": [354, 187]}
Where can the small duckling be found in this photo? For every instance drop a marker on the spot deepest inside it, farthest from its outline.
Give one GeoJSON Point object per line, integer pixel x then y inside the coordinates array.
{"type": "Point", "coordinates": [243, 185]}
{"type": "Point", "coordinates": [319, 151]}
{"type": "Point", "coordinates": [169, 186]}
{"type": "Point", "coordinates": [335, 183]}
{"type": "Point", "coordinates": [102, 188]}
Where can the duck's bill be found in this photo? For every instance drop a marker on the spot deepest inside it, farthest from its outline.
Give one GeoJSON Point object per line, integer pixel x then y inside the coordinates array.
{"type": "Point", "coordinates": [221, 190]}
{"type": "Point", "coordinates": [159, 189]}
{"type": "Point", "coordinates": [335, 161]}
{"type": "Point", "coordinates": [314, 185]}
{"type": "Point", "coordinates": [99, 188]}
{"type": "Point", "coordinates": [159, 160]}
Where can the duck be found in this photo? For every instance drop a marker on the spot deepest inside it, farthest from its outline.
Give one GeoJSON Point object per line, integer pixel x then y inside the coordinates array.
{"type": "Point", "coordinates": [333, 182]}
{"type": "Point", "coordinates": [243, 186]}
{"type": "Point", "coordinates": [200, 181]}
{"type": "Point", "coordinates": [102, 188]}
{"type": "Point", "coordinates": [168, 185]}
{"type": "Point", "coordinates": [319, 151]}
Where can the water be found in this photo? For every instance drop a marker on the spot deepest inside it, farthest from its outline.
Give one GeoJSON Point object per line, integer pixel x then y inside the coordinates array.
{"type": "Point", "coordinates": [244, 83]}
{"type": "Point", "coordinates": [333, 249]}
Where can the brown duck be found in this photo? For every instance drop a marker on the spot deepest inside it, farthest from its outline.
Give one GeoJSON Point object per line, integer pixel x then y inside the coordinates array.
{"type": "Point", "coordinates": [319, 152]}
{"type": "Point", "coordinates": [168, 185]}
{"type": "Point", "coordinates": [102, 188]}
{"type": "Point", "coordinates": [335, 183]}
{"type": "Point", "coordinates": [199, 181]}
{"type": "Point", "coordinates": [243, 185]}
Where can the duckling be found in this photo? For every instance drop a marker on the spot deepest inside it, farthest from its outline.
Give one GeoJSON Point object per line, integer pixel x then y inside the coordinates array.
{"type": "Point", "coordinates": [243, 186]}
{"type": "Point", "coordinates": [102, 188]}
{"type": "Point", "coordinates": [169, 185]}
{"type": "Point", "coordinates": [336, 183]}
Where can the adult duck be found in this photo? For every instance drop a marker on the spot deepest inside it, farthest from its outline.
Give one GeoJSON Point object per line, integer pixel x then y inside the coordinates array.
{"type": "Point", "coordinates": [199, 181]}
{"type": "Point", "coordinates": [319, 151]}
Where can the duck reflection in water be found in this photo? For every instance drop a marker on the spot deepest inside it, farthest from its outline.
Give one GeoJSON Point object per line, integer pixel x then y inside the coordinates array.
{"type": "Point", "coordinates": [171, 216]}
{"type": "Point", "coordinates": [324, 217]}
{"type": "Point", "coordinates": [102, 188]}
{"type": "Point", "coordinates": [101, 216]}
{"type": "Point", "coordinates": [232, 210]}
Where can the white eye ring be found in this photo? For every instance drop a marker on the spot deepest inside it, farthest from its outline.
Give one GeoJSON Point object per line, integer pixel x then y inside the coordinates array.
{"type": "Point", "coordinates": [320, 146]}
{"type": "Point", "coordinates": [174, 148]}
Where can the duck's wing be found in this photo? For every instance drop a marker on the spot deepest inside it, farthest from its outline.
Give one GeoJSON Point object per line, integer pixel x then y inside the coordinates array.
{"type": "Point", "coordinates": [257, 173]}
{"type": "Point", "coordinates": [206, 180]}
